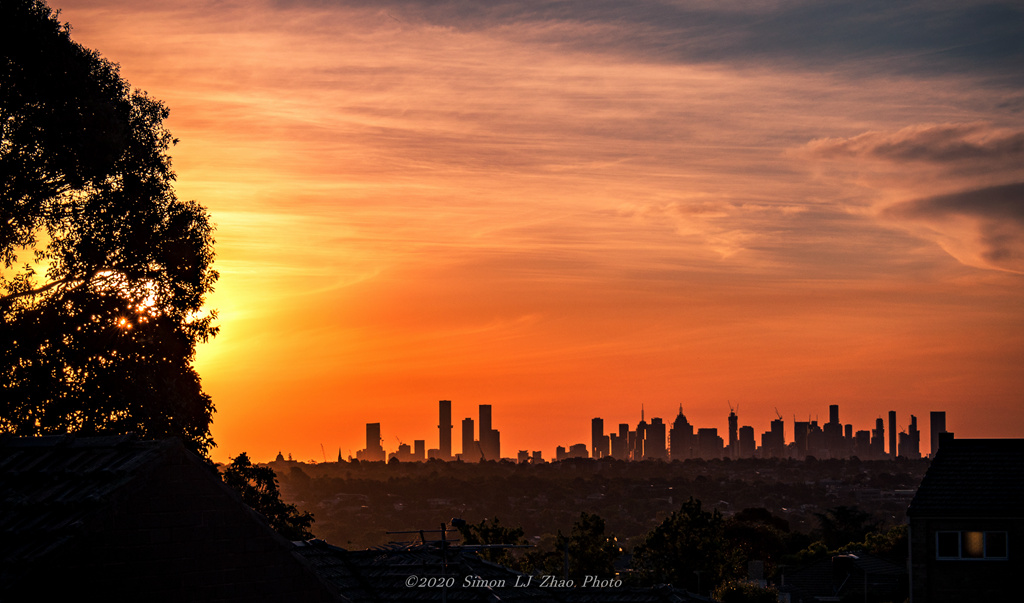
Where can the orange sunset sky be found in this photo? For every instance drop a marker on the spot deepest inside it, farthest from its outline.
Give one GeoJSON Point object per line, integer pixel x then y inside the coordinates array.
{"type": "Point", "coordinates": [569, 209]}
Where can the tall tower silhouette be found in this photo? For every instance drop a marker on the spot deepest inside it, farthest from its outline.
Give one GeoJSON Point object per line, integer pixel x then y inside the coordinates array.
{"type": "Point", "coordinates": [938, 425]}
{"type": "Point", "coordinates": [892, 434]}
{"type": "Point", "coordinates": [734, 445]}
{"type": "Point", "coordinates": [444, 428]}
{"type": "Point", "coordinates": [490, 438]}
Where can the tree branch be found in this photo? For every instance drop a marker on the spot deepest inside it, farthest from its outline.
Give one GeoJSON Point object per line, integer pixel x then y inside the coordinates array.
{"type": "Point", "coordinates": [32, 292]}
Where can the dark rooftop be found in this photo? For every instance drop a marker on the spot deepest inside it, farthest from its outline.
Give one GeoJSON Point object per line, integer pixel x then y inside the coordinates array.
{"type": "Point", "coordinates": [50, 487]}
{"type": "Point", "coordinates": [973, 478]}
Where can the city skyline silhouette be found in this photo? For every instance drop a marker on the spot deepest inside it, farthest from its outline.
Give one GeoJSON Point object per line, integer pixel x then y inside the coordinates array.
{"type": "Point", "coordinates": [674, 440]}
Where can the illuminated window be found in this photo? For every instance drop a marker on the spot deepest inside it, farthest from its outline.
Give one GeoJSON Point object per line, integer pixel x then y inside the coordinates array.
{"type": "Point", "coordinates": [971, 545]}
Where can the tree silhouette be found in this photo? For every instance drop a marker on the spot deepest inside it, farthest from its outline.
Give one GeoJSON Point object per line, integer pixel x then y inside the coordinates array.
{"type": "Point", "coordinates": [491, 532]}
{"type": "Point", "coordinates": [844, 524]}
{"type": "Point", "coordinates": [689, 541]}
{"type": "Point", "coordinates": [104, 271]}
{"type": "Point", "coordinates": [258, 488]}
{"type": "Point", "coordinates": [587, 550]}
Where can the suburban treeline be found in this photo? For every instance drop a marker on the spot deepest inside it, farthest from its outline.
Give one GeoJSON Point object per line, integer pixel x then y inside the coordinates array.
{"type": "Point", "coordinates": [694, 524]}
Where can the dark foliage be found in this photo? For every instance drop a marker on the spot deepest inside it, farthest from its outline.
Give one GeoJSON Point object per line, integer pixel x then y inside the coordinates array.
{"type": "Point", "coordinates": [104, 270]}
{"type": "Point", "coordinates": [843, 524]}
{"type": "Point", "coordinates": [491, 532]}
{"type": "Point", "coordinates": [736, 591]}
{"type": "Point", "coordinates": [688, 550]}
{"type": "Point", "coordinates": [586, 551]}
{"type": "Point", "coordinates": [756, 534]}
{"type": "Point", "coordinates": [258, 488]}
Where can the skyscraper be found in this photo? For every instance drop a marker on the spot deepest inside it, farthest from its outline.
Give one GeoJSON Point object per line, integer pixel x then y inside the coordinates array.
{"type": "Point", "coordinates": [892, 434]}
{"type": "Point", "coordinates": [373, 451]}
{"type": "Point", "coordinates": [444, 428]}
{"type": "Point", "coordinates": [910, 442]}
{"type": "Point", "coordinates": [641, 435]}
{"type": "Point", "coordinates": [597, 438]}
{"type": "Point", "coordinates": [470, 448]}
{"type": "Point", "coordinates": [680, 437]}
{"type": "Point", "coordinates": [834, 433]}
{"type": "Point", "coordinates": [800, 431]}
{"type": "Point", "coordinates": [938, 425]}
{"type": "Point", "coordinates": [734, 422]}
{"type": "Point", "coordinates": [878, 439]}
{"type": "Point", "coordinates": [654, 443]}
{"type": "Point", "coordinates": [490, 439]}
{"type": "Point", "coordinates": [747, 442]}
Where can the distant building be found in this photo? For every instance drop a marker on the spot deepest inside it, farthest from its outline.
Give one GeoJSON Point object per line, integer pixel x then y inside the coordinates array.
{"type": "Point", "coordinates": [444, 429]}
{"type": "Point", "coordinates": [734, 421]}
{"type": "Point", "coordinates": [639, 440]}
{"type": "Point", "coordinates": [747, 443]}
{"type": "Point", "coordinates": [709, 444]}
{"type": "Point", "coordinates": [937, 426]}
{"type": "Point", "coordinates": [681, 440]}
{"type": "Point", "coordinates": [967, 523]}
{"type": "Point", "coordinates": [801, 429]}
{"type": "Point", "coordinates": [834, 440]}
{"type": "Point", "coordinates": [654, 444]}
{"type": "Point", "coordinates": [576, 451]}
{"type": "Point", "coordinates": [490, 438]}
{"type": "Point", "coordinates": [598, 440]}
{"type": "Point", "coordinates": [470, 446]}
{"type": "Point", "coordinates": [773, 443]}
{"type": "Point", "coordinates": [618, 444]}
{"type": "Point", "coordinates": [878, 440]}
{"type": "Point", "coordinates": [373, 451]}
{"type": "Point", "coordinates": [892, 434]}
{"type": "Point", "coordinates": [862, 444]}
{"type": "Point", "coordinates": [910, 442]}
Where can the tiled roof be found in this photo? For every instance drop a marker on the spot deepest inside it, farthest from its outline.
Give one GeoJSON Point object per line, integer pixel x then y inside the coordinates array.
{"type": "Point", "coordinates": [830, 577]}
{"type": "Point", "coordinates": [50, 487]}
{"type": "Point", "coordinates": [380, 575]}
{"type": "Point", "coordinates": [973, 478]}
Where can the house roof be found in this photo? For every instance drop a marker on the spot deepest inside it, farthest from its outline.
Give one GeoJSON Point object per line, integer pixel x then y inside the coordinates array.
{"type": "Point", "coordinates": [50, 487]}
{"type": "Point", "coordinates": [139, 518]}
{"type": "Point", "coordinates": [973, 478]}
{"type": "Point", "coordinates": [831, 577]}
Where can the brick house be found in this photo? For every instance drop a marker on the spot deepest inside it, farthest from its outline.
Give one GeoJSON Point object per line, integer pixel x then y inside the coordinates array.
{"type": "Point", "coordinates": [967, 523]}
{"type": "Point", "coordinates": [115, 519]}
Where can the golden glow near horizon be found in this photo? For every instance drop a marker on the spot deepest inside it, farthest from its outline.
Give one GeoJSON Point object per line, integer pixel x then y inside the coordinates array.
{"type": "Point", "coordinates": [570, 214]}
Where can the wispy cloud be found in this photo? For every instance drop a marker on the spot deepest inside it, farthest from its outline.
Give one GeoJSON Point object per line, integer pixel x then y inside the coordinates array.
{"type": "Point", "coordinates": [899, 38]}
{"type": "Point", "coordinates": [981, 223]}
{"type": "Point", "coordinates": [937, 143]}
{"type": "Point", "coordinates": [983, 227]}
